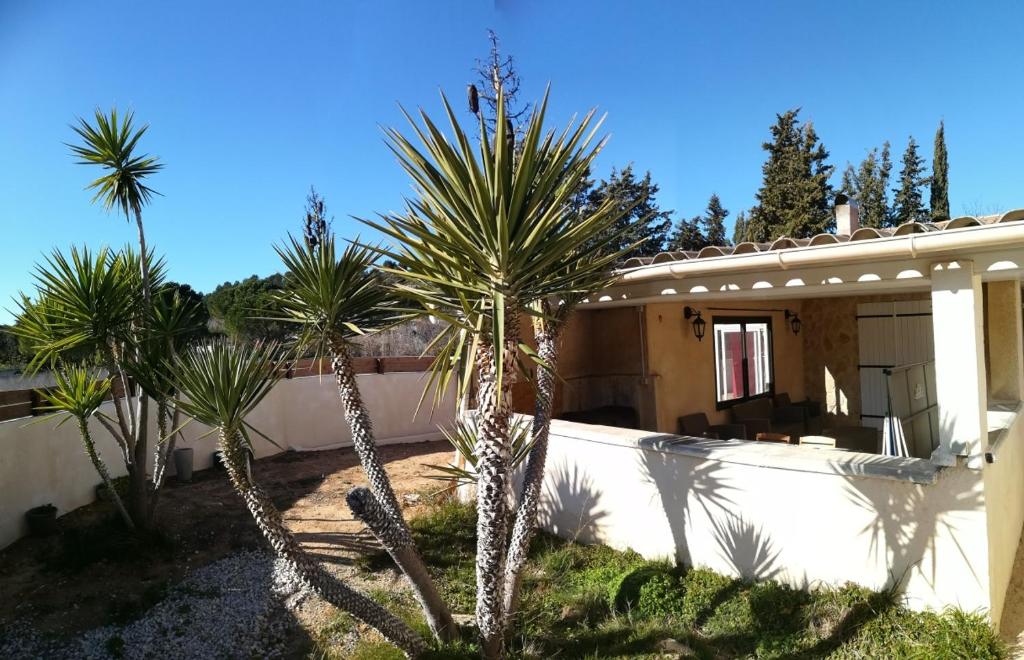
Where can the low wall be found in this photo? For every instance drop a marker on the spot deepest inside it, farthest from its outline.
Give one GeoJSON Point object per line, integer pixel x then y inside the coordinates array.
{"type": "Point", "coordinates": [41, 464]}
{"type": "Point", "coordinates": [798, 515]}
{"type": "Point", "coordinates": [1004, 499]}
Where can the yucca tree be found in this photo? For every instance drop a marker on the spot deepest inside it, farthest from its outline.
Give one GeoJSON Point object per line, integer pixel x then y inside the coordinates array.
{"type": "Point", "coordinates": [86, 310]}
{"type": "Point", "coordinates": [111, 143]}
{"type": "Point", "coordinates": [221, 383]}
{"type": "Point", "coordinates": [77, 396]}
{"type": "Point", "coordinates": [335, 297]}
{"type": "Point", "coordinates": [487, 236]}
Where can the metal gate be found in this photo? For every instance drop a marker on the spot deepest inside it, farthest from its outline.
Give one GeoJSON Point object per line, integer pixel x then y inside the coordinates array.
{"type": "Point", "coordinates": [892, 337]}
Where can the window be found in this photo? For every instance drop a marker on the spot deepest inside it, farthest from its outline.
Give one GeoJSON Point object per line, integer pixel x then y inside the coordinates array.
{"type": "Point", "coordinates": [743, 359]}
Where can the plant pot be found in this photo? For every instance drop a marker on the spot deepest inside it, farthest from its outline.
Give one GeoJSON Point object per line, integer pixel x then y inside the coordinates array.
{"type": "Point", "coordinates": [183, 464]}
{"type": "Point", "coordinates": [42, 520]}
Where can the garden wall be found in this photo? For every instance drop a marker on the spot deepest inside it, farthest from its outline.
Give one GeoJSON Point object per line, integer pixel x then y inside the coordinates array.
{"type": "Point", "coordinates": [41, 464]}
{"type": "Point", "coordinates": [798, 515]}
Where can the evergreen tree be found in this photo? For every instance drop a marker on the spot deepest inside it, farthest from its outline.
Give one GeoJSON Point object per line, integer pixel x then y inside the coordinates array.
{"type": "Point", "coordinates": [795, 197]}
{"type": "Point", "coordinates": [688, 236]}
{"type": "Point", "coordinates": [740, 228]}
{"type": "Point", "coordinates": [714, 221]}
{"type": "Point", "coordinates": [908, 205]}
{"type": "Point", "coordinates": [939, 199]}
{"type": "Point", "coordinates": [645, 221]}
{"type": "Point", "coordinates": [869, 185]}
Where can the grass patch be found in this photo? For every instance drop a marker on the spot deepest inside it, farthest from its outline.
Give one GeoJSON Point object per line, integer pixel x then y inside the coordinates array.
{"type": "Point", "coordinates": [594, 602]}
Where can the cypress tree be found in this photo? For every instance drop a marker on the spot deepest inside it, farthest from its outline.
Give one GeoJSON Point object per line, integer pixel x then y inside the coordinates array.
{"type": "Point", "coordinates": [939, 199]}
{"type": "Point", "coordinates": [795, 196]}
{"type": "Point", "coordinates": [688, 236]}
{"type": "Point", "coordinates": [908, 205]}
{"type": "Point", "coordinates": [739, 228]}
{"type": "Point", "coordinates": [869, 185]}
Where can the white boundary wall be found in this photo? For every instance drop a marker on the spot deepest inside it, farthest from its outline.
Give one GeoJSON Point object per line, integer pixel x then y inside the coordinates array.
{"type": "Point", "coordinates": [799, 515]}
{"type": "Point", "coordinates": [41, 464]}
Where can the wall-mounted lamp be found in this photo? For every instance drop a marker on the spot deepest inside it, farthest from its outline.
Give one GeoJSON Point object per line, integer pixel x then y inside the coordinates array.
{"type": "Point", "coordinates": [794, 321]}
{"type": "Point", "coordinates": [698, 322]}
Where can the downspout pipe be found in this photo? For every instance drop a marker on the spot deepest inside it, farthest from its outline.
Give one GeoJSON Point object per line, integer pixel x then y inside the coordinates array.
{"type": "Point", "coordinates": [950, 243]}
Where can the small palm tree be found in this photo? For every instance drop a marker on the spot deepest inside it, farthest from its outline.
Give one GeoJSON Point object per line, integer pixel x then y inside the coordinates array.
{"type": "Point", "coordinates": [487, 237]}
{"type": "Point", "coordinates": [221, 384]}
{"type": "Point", "coordinates": [78, 395]}
{"type": "Point", "coordinates": [336, 298]}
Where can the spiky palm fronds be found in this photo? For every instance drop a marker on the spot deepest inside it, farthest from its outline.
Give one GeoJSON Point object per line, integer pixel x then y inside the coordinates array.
{"type": "Point", "coordinates": [221, 382]}
{"type": "Point", "coordinates": [333, 296]}
{"type": "Point", "coordinates": [84, 303]}
{"type": "Point", "coordinates": [463, 436]}
{"type": "Point", "coordinates": [110, 143]}
{"type": "Point", "coordinates": [78, 392]}
{"type": "Point", "coordinates": [490, 227]}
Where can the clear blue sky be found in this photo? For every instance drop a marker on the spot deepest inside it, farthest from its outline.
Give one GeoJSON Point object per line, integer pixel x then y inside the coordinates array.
{"type": "Point", "coordinates": [250, 103]}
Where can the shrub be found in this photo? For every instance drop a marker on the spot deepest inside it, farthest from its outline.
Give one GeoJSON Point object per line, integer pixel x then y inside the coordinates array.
{"type": "Point", "coordinates": [624, 590]}
{"type": "Point", "coordinates": [661, 597]}
{"type": "Point", "coordinates": [704, 590]}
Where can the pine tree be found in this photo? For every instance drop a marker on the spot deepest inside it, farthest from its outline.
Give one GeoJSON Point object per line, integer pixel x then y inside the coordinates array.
{"type": "Point", "coordinates": [939, 199]}
{"type": "Point", "coordinates": [688, 236]}
{"type": "Point", "coordinates": [714, 221]}
{"type": "Point", "coordinates": [740, 228]}
{"type": "Point", "coordinates": [644, 222]}
{"type": "Point", "coordinates": [908, 205]}
{"type": "Point", "coordinates": [795, 197]}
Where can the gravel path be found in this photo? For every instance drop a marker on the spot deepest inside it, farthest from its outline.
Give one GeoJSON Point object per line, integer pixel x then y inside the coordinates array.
{"type": "Point", "coordinates": [238, 607]}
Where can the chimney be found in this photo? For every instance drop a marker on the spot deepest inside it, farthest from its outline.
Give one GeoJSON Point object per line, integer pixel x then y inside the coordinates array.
{"type": "Point", "coordinates": [847, 215]}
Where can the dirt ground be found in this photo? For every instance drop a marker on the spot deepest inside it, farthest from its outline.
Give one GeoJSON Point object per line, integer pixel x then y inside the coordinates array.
{"type": "Point", "coordinates": [69, 583]}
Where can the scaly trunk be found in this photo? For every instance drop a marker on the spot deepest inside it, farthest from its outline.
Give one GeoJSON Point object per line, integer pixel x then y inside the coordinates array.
{"type": "Point", "coordinates": [366, 508]}
{"type": "Point", "coordinates": [533, 476]}
{"type": "Point", "coordinates": [362, 435]}
{"type": "Point", "coordinates": [139, 488]}
{"type": "Point", "coordinates": [310, 573]}
{"type": "Point", "coordinates": [101, 467]}
{"type": "Point", "coordinates": [437, 613]}
{"type": "Point", "coordinates": [162, 454]}
{"type": "Point", "coordinates": [493, 485]}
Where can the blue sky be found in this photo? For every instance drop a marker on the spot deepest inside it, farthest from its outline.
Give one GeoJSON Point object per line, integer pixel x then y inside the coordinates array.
{"type": "Point", "coordinates": [250, 103]}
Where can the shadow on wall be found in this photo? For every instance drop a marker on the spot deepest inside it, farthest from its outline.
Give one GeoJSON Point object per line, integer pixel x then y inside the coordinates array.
{"type": "Point", "coordinates": [905, 521]}
{"type": "Point", "coordinates": [569, 507]}
{"type": "Point", "coordinates": [683, 483]}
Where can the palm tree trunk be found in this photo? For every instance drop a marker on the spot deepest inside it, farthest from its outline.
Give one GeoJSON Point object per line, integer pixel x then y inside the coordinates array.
{"type": "Point", "coordinates": [493, 485]}
{"type": "Point", "coordinates": [101, 468]}
{"type": "Point", "coordinates": [139, 488]}
{"type": "Point", "coordinates": [366, 508]}
{"type": "Point", "coordinates": [311, 574]}
{"type": "Point", "coordinates": [362, 437]}
{"type": "Point", "coordinates": [533, 477]}
{"type": "Point", "coordinates": [399, 535]}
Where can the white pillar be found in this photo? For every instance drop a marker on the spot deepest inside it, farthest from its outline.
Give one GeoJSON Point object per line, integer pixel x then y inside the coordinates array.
{"type": "Point", "coordinates": [957, 322]}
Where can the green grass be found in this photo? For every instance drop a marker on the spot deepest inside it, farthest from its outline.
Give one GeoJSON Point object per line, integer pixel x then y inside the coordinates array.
{"type": "Point", "coordinates": [595, 602]}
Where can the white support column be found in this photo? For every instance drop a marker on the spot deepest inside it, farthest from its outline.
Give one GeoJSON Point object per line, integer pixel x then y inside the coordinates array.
{"type": "Point", "coordinates": [960, 381]}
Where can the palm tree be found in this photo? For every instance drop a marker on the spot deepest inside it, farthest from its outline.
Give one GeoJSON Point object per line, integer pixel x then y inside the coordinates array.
{"type": "Point", "coordinates": [111, 145]}
{"type": "Point", "coordinates": [221, 384]}
{"type": "Point", "coordinates": [78, 395]}
{"type": "Point", "coordinates": [336, 298]}
{"type": "Point", "coordinates": [486, 238]}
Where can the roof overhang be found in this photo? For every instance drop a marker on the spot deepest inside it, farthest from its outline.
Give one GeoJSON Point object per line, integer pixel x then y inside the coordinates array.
{"type": "Point", "coordinates": [881, 265]}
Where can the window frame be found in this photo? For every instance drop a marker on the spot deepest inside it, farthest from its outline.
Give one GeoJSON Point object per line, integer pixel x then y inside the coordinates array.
{"type": "Point", "coordinates": [743, 321]}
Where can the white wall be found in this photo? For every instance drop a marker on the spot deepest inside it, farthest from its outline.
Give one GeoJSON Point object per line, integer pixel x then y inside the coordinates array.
{"type": "Point", "coordinates": [41, 464]}
{"type": "Point", "coordinates": [1004, 499]}
{"type": "Point", "coordinates": [799, 515]}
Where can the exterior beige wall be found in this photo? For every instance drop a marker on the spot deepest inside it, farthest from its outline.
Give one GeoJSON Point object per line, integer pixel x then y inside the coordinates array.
{"type": "Point", "coordinates": [1003, 362]}
{"type": "Point", "coordinates": [683, 369]}
{"type": "Point", "coordinates": [832, 353]}
{"type": "Point", "coordinates": [1004, 502]}
{"type": "Point", "coordinates": [799, 518]}
{"type": "Point", "coordinates": [40, 464]}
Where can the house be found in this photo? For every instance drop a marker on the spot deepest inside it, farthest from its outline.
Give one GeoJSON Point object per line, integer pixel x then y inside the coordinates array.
{"type": "Point", "coordinates": [915, 330]}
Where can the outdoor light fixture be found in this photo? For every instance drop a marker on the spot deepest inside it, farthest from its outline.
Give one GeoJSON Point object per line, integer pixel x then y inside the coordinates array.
{"type": "Point", "coordinates": [698, 322]}
{"type": "Point", "coordinates": [794, 321]}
